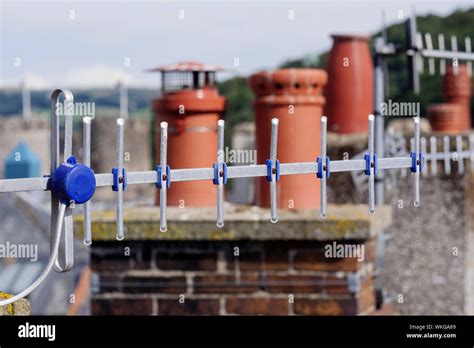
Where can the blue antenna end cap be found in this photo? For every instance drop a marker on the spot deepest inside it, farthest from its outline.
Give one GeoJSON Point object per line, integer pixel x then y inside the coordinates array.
{"type": "Point", "coordinates": [72, 181]}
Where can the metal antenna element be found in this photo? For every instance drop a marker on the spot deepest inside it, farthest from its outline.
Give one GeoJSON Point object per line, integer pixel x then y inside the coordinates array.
{"type": "Point", "coordinates": [412, 53]}
{"type": "Point", "coordinates": [431, 61]}
{"type": "Point", "coordinates": [386, 78]}
{"type": "Point", "coordinates": [467, 44]}
{"type": "Point", "coordinates": [372, 165]}
{"type": "Point", "coordinates": [458, 153]}
{"type": "Point", "coordinates": [220, 170]}
{"type": "Point", "coordinates": [447, 155]}
{"type": "Point", "coordinates": [417, 161]}
{"type": "Point", "coordinates": [72, 183]}
{"type": "Point", "coordinates": [323, 166]}
{"type": "Point", "coordinates": [163, 176]}
{"type": "Point", "coordinates": [274, 171]}
{"type": "Point", "coordinates": [55, 161]}
{"type": "Point", "coordinates": [119, 178]}
{"type": "Point", "coordinates": [86, 154]}
{"type": "Point", "coordinates": [442, 61]}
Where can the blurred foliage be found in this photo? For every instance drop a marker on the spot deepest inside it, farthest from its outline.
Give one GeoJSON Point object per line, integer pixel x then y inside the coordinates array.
{"type": "Point", "coordinates": [239, 98]}
{"type": "Point", "coordinates": [308, 61]}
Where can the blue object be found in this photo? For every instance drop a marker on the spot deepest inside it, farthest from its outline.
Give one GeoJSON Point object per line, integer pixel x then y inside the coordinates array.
{"type": "Point", "coordinates": [116, 184]}
{"type": "Point", "coordinates": [367, 164]}
{"type": "Point", "coordinates": [22, 162]}
{"type": "Point", "coordinates": [72, 181]}
{"type": "Point", "coordinates": [159, 175]}
{"type": "Point", "coordinates": [269, 164]}
{"type": "Point", "coordinates": [413, 162]}
{"type": "Point", "coordinates": [319, 174]}
{"type": "Point", "coordinates": [216, 173]}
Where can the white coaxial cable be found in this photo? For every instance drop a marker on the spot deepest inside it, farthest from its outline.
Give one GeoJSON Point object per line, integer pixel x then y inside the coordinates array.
{"type": "Point", "coordinates": [49, 266]}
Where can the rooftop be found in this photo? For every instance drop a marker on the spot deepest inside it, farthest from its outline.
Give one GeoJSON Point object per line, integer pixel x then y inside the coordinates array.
{"type": "Point", "coordinates": [241, 223]}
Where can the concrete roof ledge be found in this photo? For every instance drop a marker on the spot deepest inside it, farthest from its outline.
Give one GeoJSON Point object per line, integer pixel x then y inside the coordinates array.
{"type": "Point", "coordinates": [344, 222]}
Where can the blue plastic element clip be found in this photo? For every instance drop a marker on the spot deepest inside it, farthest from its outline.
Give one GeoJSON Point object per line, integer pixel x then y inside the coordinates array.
{"type": "Point", "coordinates": [116, 183]}
{"type": "Point", "coordinates": [73, 182]}
{"type": "Point", "coordinates": [319, 161]}
{"type": "Point", "coordinates": [414, 161]}
{"type": "Point", "coordinates": [269, 164]}
{"type": "Point", "coordinates": [368, 164]}
{"type": "Point", "coordinates": [159, 176]}
{"type": "Point", "coordinates": [217, 173]}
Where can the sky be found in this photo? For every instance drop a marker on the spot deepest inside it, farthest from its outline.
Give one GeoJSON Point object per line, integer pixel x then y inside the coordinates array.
{"type": "Point", "coordinates": [97, 44]}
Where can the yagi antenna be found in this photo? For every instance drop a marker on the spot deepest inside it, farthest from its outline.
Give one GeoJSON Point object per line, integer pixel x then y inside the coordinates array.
{"type": "Point", "coordinates": [72, 183]}
{"type": "Point", "coordinates": [415, 51]}
{"type": "Point", "coordinates": [418, 47]}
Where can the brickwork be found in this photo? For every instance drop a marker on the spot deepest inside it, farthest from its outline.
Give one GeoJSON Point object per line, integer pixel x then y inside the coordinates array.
{"type": "Point", "coordinates": [230, 278]}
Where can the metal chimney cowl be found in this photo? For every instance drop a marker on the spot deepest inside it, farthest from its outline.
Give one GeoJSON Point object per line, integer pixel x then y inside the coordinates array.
{"type": "Point", "coordinates": [191, 105]}
{"type": "Point", "coordinates": [294, 97]}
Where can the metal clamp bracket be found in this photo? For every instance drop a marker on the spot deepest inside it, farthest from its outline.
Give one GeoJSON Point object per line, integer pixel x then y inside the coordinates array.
{"type": "Point", "coordinates": [368, 164]}
{"type": "Point", "coordinates": [116, 179]}
{"type": "Point", "coordinates": [321, 168]}
{"type": "Point", "coordinates": [414, 162]}
{"type": "Point", "coordinates": [218, 173]}
{"type": "Point", "coordinates": [270, 168]}
{"type": "Point", "coordinates": [160, 177]}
